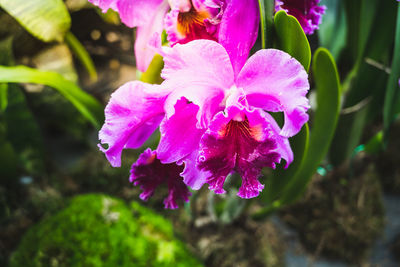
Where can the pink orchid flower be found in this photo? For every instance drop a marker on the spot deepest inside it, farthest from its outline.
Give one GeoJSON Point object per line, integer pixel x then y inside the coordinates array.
{"type": "Point", "coordinates": [213, 117]}
{"type": "Point", "coordinates": [233, 23]}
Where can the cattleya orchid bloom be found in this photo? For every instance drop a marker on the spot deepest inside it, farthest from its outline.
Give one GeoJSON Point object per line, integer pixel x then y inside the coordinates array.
{"type": "Point", "coordinates": [233, 23]}
{"type": "Point", "coordinates": [213, 117]}
{"type": "Point", "coordinates": [307, 12]}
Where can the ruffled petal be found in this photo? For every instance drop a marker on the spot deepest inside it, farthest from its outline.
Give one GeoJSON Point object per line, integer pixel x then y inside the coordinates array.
{"type": "Point", "coordinates": [274, 81]}
{"type": "Point", "coordinates": [200, 71]}
{"type": "Point", "coordinates": [283, 146]}
{"type": "Point", "coordinates": [238, 30]}
{"type": "Point", "coordinates": [133, 113]}
{"type": "Point", "coordinates": [193, 176]}
{"type": "Point", "coordinates": [149, 173]}
{"type": "Point", "coordinates": [239, 140]}
{"type": "Point", "coordinates": [179, 135]}
{"type": "Point", "coordinates": [133, 13]}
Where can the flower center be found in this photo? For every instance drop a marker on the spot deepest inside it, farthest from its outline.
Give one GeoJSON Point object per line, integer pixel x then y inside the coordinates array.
{"type": "Point", "coordinates": [239, 128]}
{"type": "Point", "coordinates": [192, 21]}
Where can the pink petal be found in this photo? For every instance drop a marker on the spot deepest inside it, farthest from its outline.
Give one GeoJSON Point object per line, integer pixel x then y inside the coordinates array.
{"type": "Point", "coordinates": [200, 71]}
{"type": "Point", "coordinates": [181, 5]}
{"type": "Point", "coordinates": [133, 113]}
{"type": "Point", "coordinates": [153, 25]}
{"type": "Point", "coordinates": [105, 4]}
{"type": "Point", "coordinates": [238, 30]}
{"type": "Point", "coordinates": [192, 176]}
{"type": "Point", "coordinates": [133, 13]}
{"type": "Point", "coordinates": [179, 135]}
{"type": "Point", "coordinates": [274, 81]}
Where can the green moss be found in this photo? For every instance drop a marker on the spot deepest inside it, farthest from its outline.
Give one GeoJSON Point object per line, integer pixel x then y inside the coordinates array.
{"type": "Point", "coordinates": [97, 230]}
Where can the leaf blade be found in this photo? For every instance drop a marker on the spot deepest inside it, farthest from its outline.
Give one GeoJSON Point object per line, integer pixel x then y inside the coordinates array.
{"type": "Point", "coordinates": [292, 39]}
{"type": "Point", "coordinates": [48, 20]}
{"type": "Point", "coordinates": [325, 120]}
{"type": "Point", "coordinates": [392, 97]}
{"type": "Point", "coordinates": [85, 103]}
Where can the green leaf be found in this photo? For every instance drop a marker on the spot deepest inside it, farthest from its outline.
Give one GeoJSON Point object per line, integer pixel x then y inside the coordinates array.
{"type": "Point", "coordinates": [20, 121]}
{"type": "Point", "coordinates": [6, 58]}
{"type": "Point", "coordinates": [280, 177]}
{"type": "Point", "coordinates": [81, 54]}
{"type": "Point", "coordinates": [8, 162]}
{"type": "Point", "coordinates": [328, 105]}
{"type": "Point", "coordinates": [3, 97]}
{"type": "Point", "coordinates": [48, 20]}
{"type": "Point", "coordinates": [367, 85]}
{"type": "Point", "coordinates": [267, 9]}
{"type": "Point", "coordinates": [291, 38]}
{"type": "Point", "coordinates": [360, 16]}
{"type": "Point", "coordinates": [375, 144]}
{"type": "Point", "coordinates": [367, 15]}
{"type": "Point", "coordinates": [85, 103]}
{"type": "Point", "coordinates": [332, 30]}
{"type": "Point", "coordinates": [6, 55]}
{"type": "Point", "coordinates": [392, 97]}
{"type": "Point", "coordinates": [152, 74]}
{"type": "Point", "coordinates": [348, 134]}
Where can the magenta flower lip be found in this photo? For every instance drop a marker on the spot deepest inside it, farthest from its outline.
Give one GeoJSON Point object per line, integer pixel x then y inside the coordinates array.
{"type": "Point", "coordinates": [238, 140]}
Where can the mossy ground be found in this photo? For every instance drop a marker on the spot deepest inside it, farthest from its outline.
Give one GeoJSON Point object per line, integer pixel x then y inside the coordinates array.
{"type": "Point", "coordinates": [97, 230]}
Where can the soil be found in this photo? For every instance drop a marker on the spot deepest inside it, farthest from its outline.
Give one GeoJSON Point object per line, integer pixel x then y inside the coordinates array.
{"type": "Point", "coordinates": [341, 214]}
{"type": "Point", "coordinates": [388, 161]}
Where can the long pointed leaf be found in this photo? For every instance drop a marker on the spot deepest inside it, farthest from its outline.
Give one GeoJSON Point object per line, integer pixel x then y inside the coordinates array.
{"type": "Point", "coordinates": [332, 30]}
{"type": "Point", "coordinates": [328, 105]}
{"type": "Point", "coordinates": [280, 177]}
{"type": "Point", "coordinates": [392, 98]}
{"type": "Point", "coordinates": [367, 84]}
{"type": "Point", "coordinates": [81, 54]}
{"type": "Point", "coordinates": [291, 38]}
{"type": "Point", "coordinates": [47, 20]}
{"type": "Point", "coordinates": [267, 8]}
{"type": "Point", "coordinates": [85, 103]}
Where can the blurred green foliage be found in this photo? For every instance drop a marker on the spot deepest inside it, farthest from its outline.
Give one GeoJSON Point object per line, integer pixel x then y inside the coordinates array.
{"type": "Point", "coordinates": [97, 230]}
{"type": "Point", "coordinates": [48, 20]}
